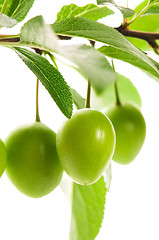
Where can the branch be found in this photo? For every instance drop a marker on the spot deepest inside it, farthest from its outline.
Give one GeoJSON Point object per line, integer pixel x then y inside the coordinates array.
{"type": "Point", "coordinates": [11, 39]}
{"type": "Point", "coordinates": [147, 36]}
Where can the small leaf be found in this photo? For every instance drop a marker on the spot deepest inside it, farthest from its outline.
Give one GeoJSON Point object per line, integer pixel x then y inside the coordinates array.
{"type": "Point", "coordinates": [108, 176]}
{"type": "Point", "coordinates": [127, 93]}
{"type": "Point", "coordinates": [19, 9]}
{"type": "Point", "coordinates": [50, 77]}
{"type": "Point", "coordinates": [6, 21]}
{"type": "Point", "coordinates": [89, 61]}
{"type": "Point", "coordinates": [90, 11]}
{"type": "Point", "coordinates": [127, 12]}
{"type": "Point", "coordinates": [87, 210]}
{"type": "Point", "coordinates": [78, 100]}
{"type": "Point", "coordinates": [119, 48]}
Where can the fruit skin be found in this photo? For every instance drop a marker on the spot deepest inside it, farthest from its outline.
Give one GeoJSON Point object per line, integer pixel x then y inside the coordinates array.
{"type": "Point", "coordinates": [33, 165]}
{"type": "Point", "coordinates": [85, 145]}
{"type": "Point", "coordinates": [3, 157]}
{"type": "Point", "coordinates": [130, 128]}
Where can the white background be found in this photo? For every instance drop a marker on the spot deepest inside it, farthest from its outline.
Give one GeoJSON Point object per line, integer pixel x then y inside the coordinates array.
{"type": "Point", "coordinates": [132, 207]}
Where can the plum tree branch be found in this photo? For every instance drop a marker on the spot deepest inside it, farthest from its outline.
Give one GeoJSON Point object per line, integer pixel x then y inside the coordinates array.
{"type": "Point", "coordinates": [147, 36]}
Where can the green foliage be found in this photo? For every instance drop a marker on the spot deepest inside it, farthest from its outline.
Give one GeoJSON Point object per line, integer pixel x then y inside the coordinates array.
{"type": "Point", "coordinates": [7, 6]}
{"type": "Point", "coordinates": [87, 210]}
{"type": "Point", "coordinates": [19, 9]}
{"type": "Point", "coordinates": [16, 9]}
{"type": "Point", "coordinates": [140, 61]}
{"type": "Point", "coordinates": [90, 11]}
{"type": "Point", "coordinates": [34, 34]}
{"type": "Point", "coordinates": [126, 90]}
{"type": "Point", "coordinates": [6, 21]}
{"type": "Point", "coordinates": [50, 77]}
{"type": "Point", "coordinates": [119, 48]}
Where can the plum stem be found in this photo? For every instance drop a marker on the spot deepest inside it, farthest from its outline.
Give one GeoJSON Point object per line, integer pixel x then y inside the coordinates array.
{"type": "Point", "coordinates": [88, 95]}
{"type": "Point", "coordinates": [37, 101]}
{"type": "Point", "coordinates": [118, 102]}
{"type": "Point", "coordinates": [117, 94]}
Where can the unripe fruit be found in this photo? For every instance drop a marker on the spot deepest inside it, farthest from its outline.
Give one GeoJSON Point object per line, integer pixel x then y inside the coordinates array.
{"type": "Point", "coordinates": [3, 157]}
{"type": "Point", "coordinates": [130, 129]}
{"type": "Point", "coordinates": [33, 165]}
{"type": "Point", "coordinates": [85, 145]}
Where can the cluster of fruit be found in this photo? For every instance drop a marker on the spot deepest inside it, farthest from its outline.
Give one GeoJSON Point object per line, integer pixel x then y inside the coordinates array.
{"type": "Point", "coordinates": [35, 157]}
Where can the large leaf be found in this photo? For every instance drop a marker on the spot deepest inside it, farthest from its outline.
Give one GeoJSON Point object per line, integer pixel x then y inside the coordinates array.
{"type": "Point", "coordinates": [7, 6]}
{"type": "Point", "coordinates": [6, 21]}
{"type": "Point", "coordinates": [87, 210]}
{"type": "Point", "coordinates": [19, 9]}
{"type": "Point", "coordinates": [119, 48]}
{"type": "Point", "coordinates": [36, 33]}
{"type": "Point", "coordinates": [90, 11]}
{"type": "Point", "coordinates": [127, 12]}
{"type": "Point", "coordinates": [126, 90]}
{"type": "Point", "coordinates": [50, 77]}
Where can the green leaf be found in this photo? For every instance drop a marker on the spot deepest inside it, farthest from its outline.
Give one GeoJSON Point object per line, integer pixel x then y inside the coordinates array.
{"type": "Point", "coordinates": [78, 100]}
{"type": "Point", "coordinates": [6, 21]}
{"type": "Point", "coordinates": [108, 176]}
{"type": "Point", "coordinates": [87, 210]}
{"type": "Point", "coordinates": [119, 48]}
{"type": "Point", "coordinates": [127, 12]}
{"type": "Point", "coordinates": [50, 77]}
{"type": "Point", "coordinates": [19, 9]}
{"type": "Point", "coordinates": [127, 93]}
{"type": "Point", "coordinates": [89, 61]}
{"type": "Point", "coordinates": [90, 11]}
{"type": "Point", "coordinates": [146, 64]}
{"type": "Point", "coordinates": [7, 6]}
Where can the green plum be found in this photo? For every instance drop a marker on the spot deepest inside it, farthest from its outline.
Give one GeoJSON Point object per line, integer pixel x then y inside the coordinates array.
{"type": "Point", "coordinates": [3, 157]}
{"type": "Point", "coordinates": [130, 128]}
{"type": "Point", "coordinates": [85, 145]}
{"type": "Point", "coordinates": [33, 165]}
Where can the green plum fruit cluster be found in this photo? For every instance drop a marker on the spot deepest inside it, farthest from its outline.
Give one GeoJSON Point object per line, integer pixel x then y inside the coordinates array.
{"type": "Point", "coordinates": [35, 157]}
